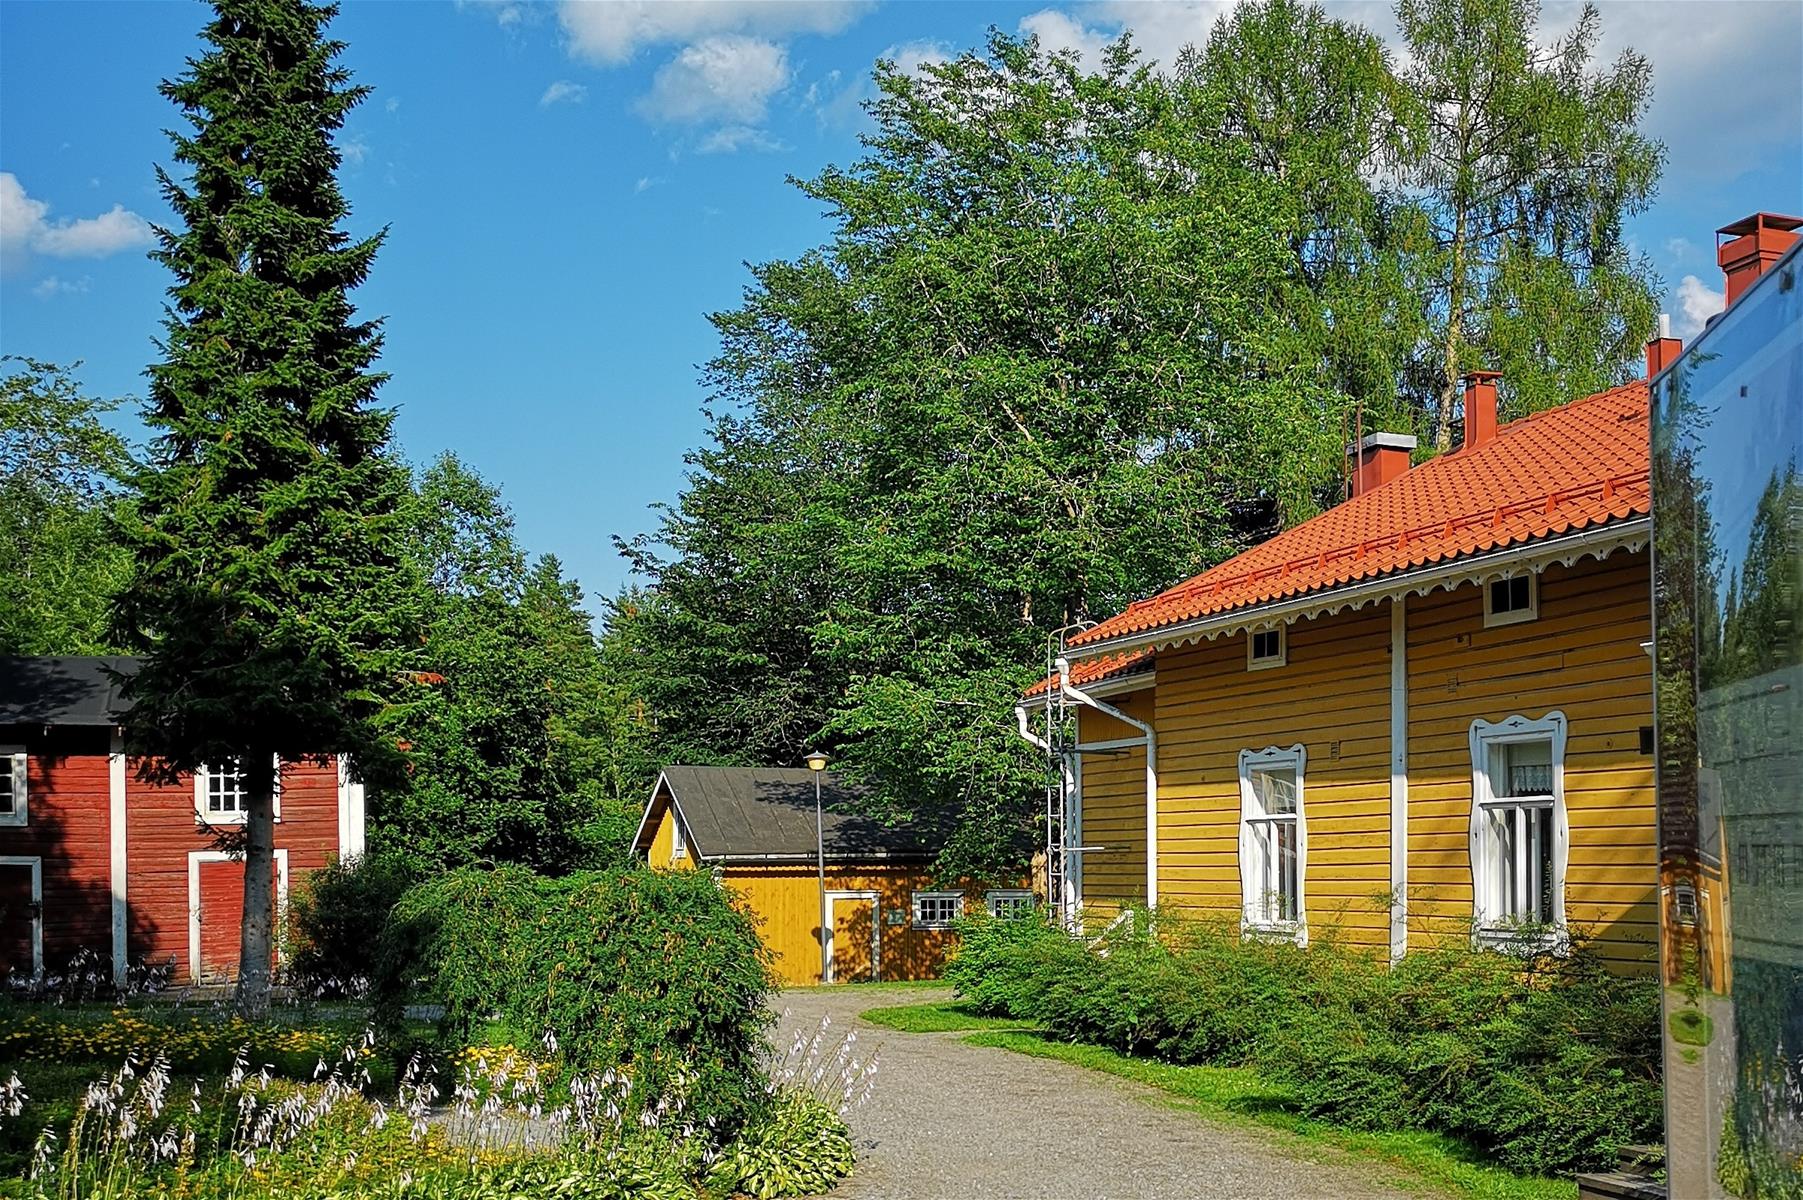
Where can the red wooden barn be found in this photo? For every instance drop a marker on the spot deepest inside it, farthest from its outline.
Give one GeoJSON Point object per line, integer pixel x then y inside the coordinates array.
{"type": "Point", "coordinates": [93, 857]}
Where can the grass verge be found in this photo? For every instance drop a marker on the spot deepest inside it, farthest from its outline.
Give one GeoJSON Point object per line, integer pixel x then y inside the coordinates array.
{"type": "Point", "coordinates": [1238, 1095]}
{"type": "Point", "coordinates": [948, 1016]}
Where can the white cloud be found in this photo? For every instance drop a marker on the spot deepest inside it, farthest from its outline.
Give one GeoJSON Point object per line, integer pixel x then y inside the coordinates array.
{"type": "Point", "coordinates": [26, 228]}
{"type": "Point", "coordinates": [52, 285]}
{"type": "Point", "coordinates": [645, 184]}
{"type": "Point", "coordinates": [725, 78]}
{"type": "Point", "coordinates": [1059, 31]}
{"type": "Point", "coordinates": [1698, 302]}
{"type": "Point", "coordinates": [612, 31]}
{"type": "Point", "coordinates": [393, 104]}
{"type": "Point", "coordinates": [563, 92]}
{"type": "Point", "coordinates": [910, 57]}
{"type": "Point", "coordinates": [730, 139]}
{"type": "Point", "coordinates": [354, 150]}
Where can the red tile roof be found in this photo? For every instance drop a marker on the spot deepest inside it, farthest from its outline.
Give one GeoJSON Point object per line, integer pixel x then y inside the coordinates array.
{"type": "Point", "coordinates": [1568, 468]}
{"type": "Point", "coordinates": [1094, 670]}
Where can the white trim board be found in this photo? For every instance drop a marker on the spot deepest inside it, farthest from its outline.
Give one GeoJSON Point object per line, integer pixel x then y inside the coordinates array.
{"type": "Point", "coordinates": [351, 815]}
{"type": "Point", "coordinates": [119, 859]}
{"type": "Point", "coordinates": [195, 858]}
{"type": "Point", "coordinates": [1399, 777]}
{"type": "Point", "coordinates": [36, 863]}
{"type": "Point", "coordinates": [876, 930]}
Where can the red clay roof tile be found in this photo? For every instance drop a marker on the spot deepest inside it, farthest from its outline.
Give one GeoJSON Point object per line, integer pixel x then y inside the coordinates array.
{"type": "Point", "coordinates": [1568, 468]}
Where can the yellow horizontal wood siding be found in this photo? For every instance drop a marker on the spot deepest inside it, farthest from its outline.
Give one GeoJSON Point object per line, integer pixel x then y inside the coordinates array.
{"type": "Point", "coordinates": [1583, 657]}
{"type": "Point", "coordinates": [1114, 808]}
{"type": "Point", "coordinates": [663, 839]}
{"type": "Point", "coordinates": [786, 903]}
{"type": "Point", "coordinates": [1332, 696]}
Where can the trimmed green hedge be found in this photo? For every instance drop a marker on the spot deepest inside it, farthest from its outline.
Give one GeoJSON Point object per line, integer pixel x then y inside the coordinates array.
{"type": "Point", "coordinates": [652, 973]}
{"type": "Point", "coordinates": [1545, 1065]}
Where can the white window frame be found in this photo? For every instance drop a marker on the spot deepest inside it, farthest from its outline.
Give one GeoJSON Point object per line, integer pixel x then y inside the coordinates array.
{"type": "Point", "coordinates": [1489, 926]}
{"type": "Point", "coordinates": [679, 845]}
{"type": "Point", "coordinates": [1513, 616]}
{"type": "Point", "coordinates": [1281, 658]}
{"type": "Point", "coordinates": [922, 922]}
{"type": "Point", "coordinates": [205, 817]}
{"type": "Point", "coordinates": [36, 863]}
{"type": "Point", "coordinates": [1252, 813]}
{"type": "Point", "coordinates": [1010, 897]}
{"type": "Point", "coordinates": [13, 759]}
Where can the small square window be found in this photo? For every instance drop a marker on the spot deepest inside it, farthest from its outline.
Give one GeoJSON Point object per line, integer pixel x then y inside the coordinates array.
{"type": "Point", "coordinates": [225, 791]}
{"type": "Point", "coordinates": [937, 910]}
{"type": "Point", "coordinates": [1684, 904]}
{"type": "Point", "coordinates": [1507, 601]}
{"type": "Point", "coordinates": [1009, 902]}
{"type": "Point", "coordinates": [1265, 648]}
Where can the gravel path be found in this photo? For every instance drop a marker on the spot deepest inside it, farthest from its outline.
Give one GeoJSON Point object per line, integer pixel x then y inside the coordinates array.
{"type": "Point", "coordinates": [950, 1121]}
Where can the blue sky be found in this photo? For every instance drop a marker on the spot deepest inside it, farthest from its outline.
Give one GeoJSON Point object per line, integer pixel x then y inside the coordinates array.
{"type": "Point", "coordinates": [571, 188]}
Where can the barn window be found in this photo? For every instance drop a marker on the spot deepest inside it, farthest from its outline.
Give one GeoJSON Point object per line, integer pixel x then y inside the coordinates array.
{"type": "Point", "coordinates": [12, 785]}
{"type": "Point", "coordinates": [1273, 840]}
{"type": "Point", "coordinates": [1265, 648]}
{"type": "Point", "coordinates": [1508, 601]}
{"type": "Point", "coordinates": [937, 910]}
{"type": "Point", "coordinates": [1518, 830]}
{"type": "Point", "coordinates": [1008, 902]}
{"type": "Point", "coordinates": [219, 795]}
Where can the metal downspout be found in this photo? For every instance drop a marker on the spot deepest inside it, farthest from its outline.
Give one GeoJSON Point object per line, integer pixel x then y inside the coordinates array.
{"type": "Point", "coordinates": [1071, 692]}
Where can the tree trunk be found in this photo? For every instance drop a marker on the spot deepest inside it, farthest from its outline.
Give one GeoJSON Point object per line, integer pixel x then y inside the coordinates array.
{"type": "Point", "coordinates": [256, 937]}
{"type": "Point", "coordinates": [1455, 328]}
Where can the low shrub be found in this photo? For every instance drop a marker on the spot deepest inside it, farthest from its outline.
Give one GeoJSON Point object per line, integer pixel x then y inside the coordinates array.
{"type": "Point", "coordinates": [1546, 1065]}
{"type": "Point", "coordinates": [794, 1146]}
{"type": "Point", "coordinates": [651, 973]}
{"type": "Point", "coordinates": [332, 917]}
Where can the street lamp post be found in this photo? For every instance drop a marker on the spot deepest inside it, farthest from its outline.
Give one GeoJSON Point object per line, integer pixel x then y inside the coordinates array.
{"type": "Point", "coordinates": [817, 765]}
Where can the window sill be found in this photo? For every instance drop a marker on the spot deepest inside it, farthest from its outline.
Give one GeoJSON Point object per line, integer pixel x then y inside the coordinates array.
{"type": "Point", "coordinates": [1512, 940]}
{"type": "Point", "coordinates": [932, 926]}
{"type": "Point", "coordinates": [1280, 931]}
{"type": "Point", "coordinates": [14, 820]}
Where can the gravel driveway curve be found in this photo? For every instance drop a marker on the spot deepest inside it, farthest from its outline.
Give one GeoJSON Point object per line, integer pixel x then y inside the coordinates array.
{"type": "Point", "coordinates": [950, 1121]}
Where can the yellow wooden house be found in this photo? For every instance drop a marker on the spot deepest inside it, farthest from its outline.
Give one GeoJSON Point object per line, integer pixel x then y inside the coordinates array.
{"type": "Point", "coordinates": [886, 919]}
{"type": "Point", "coordinates": [1425, 713]}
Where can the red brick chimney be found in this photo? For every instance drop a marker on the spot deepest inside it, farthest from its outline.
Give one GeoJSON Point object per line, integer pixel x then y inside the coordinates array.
{"type": "Point", "coordinates": [1755, 243]}
{"type": "Point", "coordinates": [1480, 408]}
{"type": "Point", "coordinates": [1376, 460]}
{"type": "Point", "coordinates": [1663, 350]}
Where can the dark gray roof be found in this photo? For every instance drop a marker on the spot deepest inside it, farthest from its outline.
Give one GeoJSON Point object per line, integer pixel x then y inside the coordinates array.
{"type": "Point", "coordinates": [767, 813]}
{"type": "Point", "coordinates": [62, 691]}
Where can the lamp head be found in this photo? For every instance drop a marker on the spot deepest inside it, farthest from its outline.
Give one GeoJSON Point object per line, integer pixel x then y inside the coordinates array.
{"type": "Point", "coordinates": [816, 761]}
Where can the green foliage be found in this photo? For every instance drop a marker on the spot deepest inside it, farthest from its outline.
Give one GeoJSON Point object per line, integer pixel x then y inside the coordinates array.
{"type": "Point", "coordinates": [510, 752]}
{"type": "Point", "coordinates": [60, 468]}
{"type": "Point", "coordinates": [269, 599]}
{"type": "Point", "coordinates": [1525, 160]}
{"type": "Point", "coordinates": [1545, 1066]}
{"type": "Point", "coordinates": [1077, 335]}
{"type": "Point", "coordinates": [651, 972]}
{"type": "Point", "coordinates": [795, 1146]}
{"type": "Point", "coordinates": [332, 915]}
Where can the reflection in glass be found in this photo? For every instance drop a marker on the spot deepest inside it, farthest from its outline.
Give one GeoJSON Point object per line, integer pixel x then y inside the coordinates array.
{"type": "Point", "coordinates": [1728, 538]}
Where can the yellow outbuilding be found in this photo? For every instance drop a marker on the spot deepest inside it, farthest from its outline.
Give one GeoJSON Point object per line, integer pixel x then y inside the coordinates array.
{"type": "Point", "coordinates": [883, 916]}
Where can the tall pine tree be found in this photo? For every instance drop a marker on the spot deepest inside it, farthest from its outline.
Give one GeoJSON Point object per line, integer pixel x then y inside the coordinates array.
{"type": "Point", "coordinates": [270, 600]}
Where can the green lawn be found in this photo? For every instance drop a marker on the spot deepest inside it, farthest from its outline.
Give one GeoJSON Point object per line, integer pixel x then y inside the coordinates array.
{"type": "Point", "coordinates": [945, 1016]}
{"type": "Point", "coordinates": [1237, 1095]}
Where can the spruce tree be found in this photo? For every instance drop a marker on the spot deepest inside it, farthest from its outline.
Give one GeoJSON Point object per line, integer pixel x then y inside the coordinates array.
{"type": "Point", "coordinates": [269, 601]}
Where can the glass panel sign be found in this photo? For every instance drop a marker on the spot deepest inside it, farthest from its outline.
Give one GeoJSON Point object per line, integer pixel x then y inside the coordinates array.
{"type": "Point", "coordinates": [1728, 553]}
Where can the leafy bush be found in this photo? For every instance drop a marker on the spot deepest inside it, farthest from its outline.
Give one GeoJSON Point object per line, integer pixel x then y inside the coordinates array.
{"type": "Point", "coordinates": [652, 973]}
{"type": "Point", "coordinates": [332, 916]}
{"type": "Point", "coordinates": [795, 1146]}
{"type": "Point", "coordinates": [1546, 1065]}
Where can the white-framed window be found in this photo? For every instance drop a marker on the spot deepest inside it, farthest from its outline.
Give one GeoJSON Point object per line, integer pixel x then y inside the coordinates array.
{"type": "Point", "coordinates": [12, 785]}
{"type": "Point", "coordinates": [1266, 648]}
{"type": "Point", "coordinates": [1273, 840]}
{"type": "Point", "coordinates": [679, 846]}
{"type": "Point", "coordinates": [1512, 599]}
{"type": "Point", "coordinates": [937, 910]}
{"type": "Point", "coordinates": [219, 795]}
{"type": "Point", "coordinates": [1008, 902]}
{"type": "Point", "coordinates": [1520, 836]}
